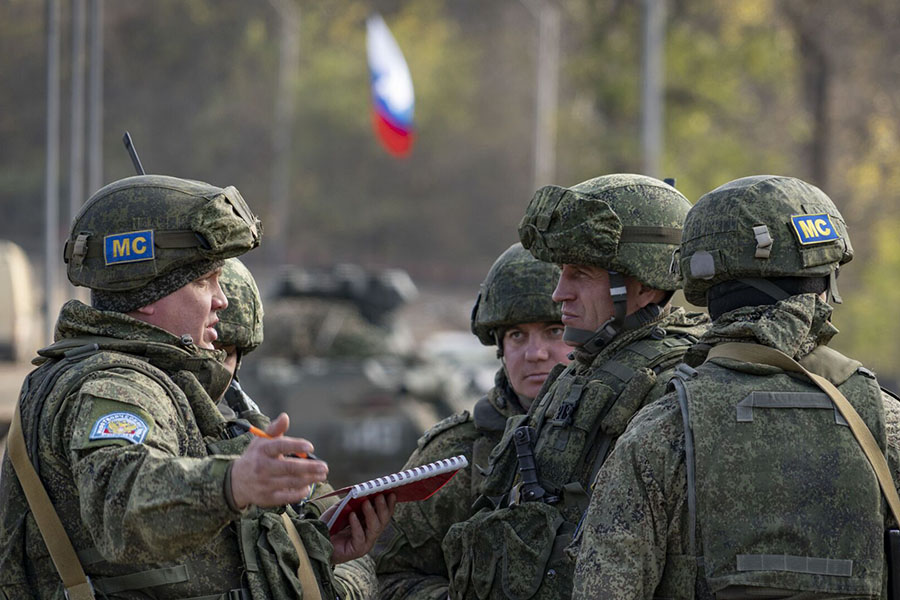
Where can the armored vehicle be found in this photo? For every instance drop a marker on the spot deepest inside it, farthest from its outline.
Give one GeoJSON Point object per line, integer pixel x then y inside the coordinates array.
{"type": "Point", "coordinates": [338, 362]}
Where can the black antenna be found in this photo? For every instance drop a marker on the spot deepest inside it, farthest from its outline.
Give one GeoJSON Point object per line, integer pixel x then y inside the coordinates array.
{"type": "Point", "coordinates": [129, 145]}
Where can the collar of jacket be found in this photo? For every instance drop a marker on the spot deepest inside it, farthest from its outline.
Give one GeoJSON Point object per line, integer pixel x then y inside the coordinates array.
{"type": "Point", "coordinates": [666, 316]}
{"type": "Point", "coordinates": [795, 325]}
{"type": "Point", "coordinates": [502, 397]}
{"type": "Point", "coordinates": [118, 332]}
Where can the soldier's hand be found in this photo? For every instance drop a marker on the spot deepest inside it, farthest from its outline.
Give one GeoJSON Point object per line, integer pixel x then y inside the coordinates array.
{"type": "Point", "coordinates": [267, 475]}
{"type": "Point", "coordinates": [357, 538]}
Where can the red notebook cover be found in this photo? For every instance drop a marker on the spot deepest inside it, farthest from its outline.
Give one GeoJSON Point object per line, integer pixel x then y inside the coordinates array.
{"type": "Point", "coordinates": [410, 485]}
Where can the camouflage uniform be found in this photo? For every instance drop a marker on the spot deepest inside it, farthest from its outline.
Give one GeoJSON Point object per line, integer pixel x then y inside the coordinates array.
{"type": "Point", "coordinates": [241, 325]}
{"type": "Point", "coordinates": [354, 579]}
{"type": "Point", "coordinates": [626, 224]}
{"type": "Point", "coordinates": [410, 561]}
{"type": "Point", "coordinates": [761, 519]}
{"type": "Point", "coordinates": [132, 508]}
{"type": "Point", "coordinates": [119, 419]}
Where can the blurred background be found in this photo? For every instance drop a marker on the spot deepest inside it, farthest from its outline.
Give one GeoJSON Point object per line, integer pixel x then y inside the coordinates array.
{"type": "Point", "coordinates": [273, 97]}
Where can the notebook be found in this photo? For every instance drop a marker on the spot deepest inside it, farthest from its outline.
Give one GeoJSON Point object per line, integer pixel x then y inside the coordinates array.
{"type": "Point", "coordinates": [410, 485]}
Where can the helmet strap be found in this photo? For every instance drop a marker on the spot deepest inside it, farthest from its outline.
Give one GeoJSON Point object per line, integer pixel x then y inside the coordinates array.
{"type": "Point", "coordinates": [505, 370]}
{"type": "Point", "coordinates": [593, 342]}
{"type": "Point", "coordinates": [237, 364]}
{"type": "Point", "coordinates": [833, 294]}
{"type": "Point", "coordinates": [498, 341]}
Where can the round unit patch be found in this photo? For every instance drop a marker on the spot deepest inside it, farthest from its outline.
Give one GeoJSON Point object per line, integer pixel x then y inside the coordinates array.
{"type": "Point", "coordinates": [120, 425]}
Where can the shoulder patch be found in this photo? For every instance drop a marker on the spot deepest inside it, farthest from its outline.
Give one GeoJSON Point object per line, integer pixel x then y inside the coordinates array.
{"type": "Point", "coordinates": [814, 229]}
{"type": "Point", "coordinates": [132, 246]}
{"type": "Point", "coordinates": [120, 425]}
{"type": "Point", "coordinates": [442, 426]}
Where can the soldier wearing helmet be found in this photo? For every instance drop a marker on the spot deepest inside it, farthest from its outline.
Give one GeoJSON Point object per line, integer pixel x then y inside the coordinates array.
{"type": "Point", "coordinates": [240, 326]}
{"type": "Point", "coordinates": [515, 312]}
{"type": "Point", "coordinates": [753, 477]}
{"type": "Point", "coordinates": [240, 331]}
{"type": "Point", "coordinates": [113, 484]}
{"type": "Point", "coordinates": [613, 238]}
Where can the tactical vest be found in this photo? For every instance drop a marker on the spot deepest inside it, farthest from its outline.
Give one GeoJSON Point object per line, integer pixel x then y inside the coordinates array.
{"type": "Point", "coordinates": [512, 549]}
{"type": "Point", "coordinates": [783, 497]}
{"type": "Point", "coordinates": [261, 536]}
{"type": "Point", "coordinates": [581, 415]}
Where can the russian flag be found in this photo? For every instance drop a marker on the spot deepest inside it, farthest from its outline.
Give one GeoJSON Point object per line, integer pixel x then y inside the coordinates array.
{"type": "Point", "coordinates": [392, 89]}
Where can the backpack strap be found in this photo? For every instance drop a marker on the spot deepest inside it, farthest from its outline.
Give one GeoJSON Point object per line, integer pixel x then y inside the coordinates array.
{"type": "Point", "coordinates": [685, 373]}
{"type": "Point", "coordinates": [77, 584]}
{"type": "Point", "coordinates": [756, 353]}
{"type": "Point", "coordinates": [304, 569]}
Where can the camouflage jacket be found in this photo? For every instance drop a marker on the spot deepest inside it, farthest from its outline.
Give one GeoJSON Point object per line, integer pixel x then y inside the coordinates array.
{"type": "Point", "coordinates": [355, 579]}
{"type": "Point", "coordinates": [513, 548]}
{"type": "Point", "coordinates": [410, 562]}
{"type": "Point", "coordinates": [636, 538]}
{"type": "Point", "coordinates": [120, 438]}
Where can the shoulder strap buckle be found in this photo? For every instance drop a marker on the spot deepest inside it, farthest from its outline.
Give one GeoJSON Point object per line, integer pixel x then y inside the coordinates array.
{"type": "Point", "coordinates": [84, 590]}
{"type": "Point", "coordinates": [685, 372]}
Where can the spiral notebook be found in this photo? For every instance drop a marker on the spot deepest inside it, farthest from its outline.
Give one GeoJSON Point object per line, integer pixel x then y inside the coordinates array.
{"type": "Point", "coordinates": [410, 485]}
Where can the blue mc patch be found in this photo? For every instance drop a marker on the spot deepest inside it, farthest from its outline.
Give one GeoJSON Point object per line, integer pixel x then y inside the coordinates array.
{"type": "Point", "coordinates": [128, 247]}
{"type": "Point", "coordinates": [120, 425]}
{"type": "Point", "coordinates": [814, 229]}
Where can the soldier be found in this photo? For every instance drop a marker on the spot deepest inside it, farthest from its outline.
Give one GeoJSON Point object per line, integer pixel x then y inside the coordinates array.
{"type": "Point", "coordinates": [240, 331]}
{"type": "Point", "coordinates": [514, 311]}
{"type": "Point", "coordinates": [746, 480]}
{"type": "Point", "coordinates": [109, 471]}
{"type": "Point", "coordinates": [613, 237]}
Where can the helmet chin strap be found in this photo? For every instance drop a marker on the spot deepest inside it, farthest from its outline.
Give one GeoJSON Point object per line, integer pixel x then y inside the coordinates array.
{"type": "Point", "coordinates": [833, 293]}
{"type": "Point", "coordinates": [593, 342]}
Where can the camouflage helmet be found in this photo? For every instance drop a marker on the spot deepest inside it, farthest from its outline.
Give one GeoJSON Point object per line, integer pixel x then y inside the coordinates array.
{"type": "Point", "coordinates": [761, 227]}
{"type": "Point", "coordinates": [241, 323]}
{"type": "Point", "coordinates": [138, 229]}
{"type": "Point", "coordinates": [517, 289]}
{"type": "Point", "coordinates": [630, 224]}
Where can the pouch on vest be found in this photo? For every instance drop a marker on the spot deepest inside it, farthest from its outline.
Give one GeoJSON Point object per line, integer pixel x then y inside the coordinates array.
{"type": "Point", "coordinates": [574, 453]}
{"type": "Point", "coordinates": [502, 464]}
{"type": "Point", "coordinates": [271, 561]}
{"type": "Point", "coordinates": [496, 554]}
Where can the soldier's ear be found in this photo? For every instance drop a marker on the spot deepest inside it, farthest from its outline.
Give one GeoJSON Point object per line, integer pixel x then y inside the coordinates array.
{"type": "Point", "coordinates": [145, 310]}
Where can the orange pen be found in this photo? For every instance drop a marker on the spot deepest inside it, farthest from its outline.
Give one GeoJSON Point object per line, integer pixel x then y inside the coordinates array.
{"type": "Point", "coordinates": [260, 433]}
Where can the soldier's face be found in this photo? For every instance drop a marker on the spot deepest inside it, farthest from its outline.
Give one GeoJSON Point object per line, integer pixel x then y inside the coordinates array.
{"type": "Point", "coordinates": [586, 301]}
{"type": "Point", "coordinates": [191, 309]}
{"type": "Point", "coordinates": [529, 352]}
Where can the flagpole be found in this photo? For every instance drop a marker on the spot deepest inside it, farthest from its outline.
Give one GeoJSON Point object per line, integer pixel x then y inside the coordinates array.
{"type": "Point", "coordinates": [51, 173]}
{"type": "Point", "coordinates": [546, 89]}
{"type": "Point", "coordinates": [285, 106]}
{"type": "Point", "coordinates": [652, 86]}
